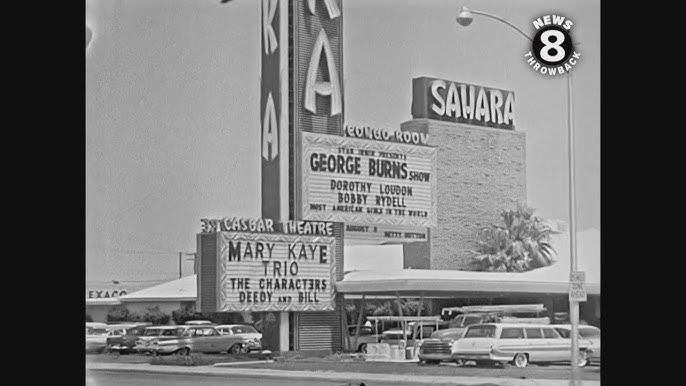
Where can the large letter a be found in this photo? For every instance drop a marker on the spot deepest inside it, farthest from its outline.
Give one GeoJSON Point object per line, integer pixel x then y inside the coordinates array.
{"type": "Point", "coordinates": [312, 86]}
{"type": "Point", "coordinates": [270, 131]}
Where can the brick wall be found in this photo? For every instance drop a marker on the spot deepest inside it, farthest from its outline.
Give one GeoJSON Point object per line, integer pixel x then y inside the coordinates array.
{"type": "Point", "coordinates": [481, 172]}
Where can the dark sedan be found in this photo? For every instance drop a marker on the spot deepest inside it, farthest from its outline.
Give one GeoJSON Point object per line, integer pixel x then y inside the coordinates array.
{"type": "Point", "coordinates": [123, 340]}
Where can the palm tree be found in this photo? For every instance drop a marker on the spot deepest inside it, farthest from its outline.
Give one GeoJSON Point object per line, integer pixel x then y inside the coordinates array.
{"type": "Point", "coordinates": [522, 244]}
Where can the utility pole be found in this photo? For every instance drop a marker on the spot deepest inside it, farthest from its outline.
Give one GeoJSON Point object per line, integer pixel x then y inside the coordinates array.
{"type": "Point", "coordinates": [180, 254]}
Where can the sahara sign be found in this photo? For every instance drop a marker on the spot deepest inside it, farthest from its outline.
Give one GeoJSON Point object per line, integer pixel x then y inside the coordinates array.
{"type": "Point", "coordinates": [462, 103]}
{"type": "Point", "coordinates": [276, 272]}
{"type": "Point", "coordinates": [368, 182]}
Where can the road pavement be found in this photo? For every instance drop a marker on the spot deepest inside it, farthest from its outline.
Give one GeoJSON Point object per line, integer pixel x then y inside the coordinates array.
{"type": "Point", "coordinates": [132, 378]}
{"type": "Point", "coordinates": [227, 372]}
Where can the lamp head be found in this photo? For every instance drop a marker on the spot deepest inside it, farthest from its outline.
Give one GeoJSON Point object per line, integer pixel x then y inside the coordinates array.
{"type": "Point", "coordinates": [464, 18]}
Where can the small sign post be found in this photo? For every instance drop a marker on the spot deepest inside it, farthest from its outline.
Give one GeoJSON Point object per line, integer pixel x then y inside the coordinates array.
{"type": "Point", "coordinates": [577, 286]}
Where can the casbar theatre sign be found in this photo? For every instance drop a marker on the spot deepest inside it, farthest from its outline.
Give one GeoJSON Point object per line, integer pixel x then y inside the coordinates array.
{"type": "Point", "coordinates": [275, 267]}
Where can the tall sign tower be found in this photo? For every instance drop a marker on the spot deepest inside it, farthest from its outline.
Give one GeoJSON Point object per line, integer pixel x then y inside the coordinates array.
{"type": "Point", "coordinates": [301, 91]}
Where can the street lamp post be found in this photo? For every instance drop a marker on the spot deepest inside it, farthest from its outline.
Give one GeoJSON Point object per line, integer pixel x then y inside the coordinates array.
{"type": "Point", "coordinates": [464, 18]}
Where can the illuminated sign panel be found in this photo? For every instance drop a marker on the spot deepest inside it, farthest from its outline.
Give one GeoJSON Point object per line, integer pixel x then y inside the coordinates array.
{"type": "Point", "coordinates": [367, 182]}
{"type": "Point", "coordinates": [276, 272]}
{"type": "Point", "coordinates": [462, 103]}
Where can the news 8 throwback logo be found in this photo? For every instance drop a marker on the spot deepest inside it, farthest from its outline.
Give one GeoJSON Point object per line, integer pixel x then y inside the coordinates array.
{"type": "Point", "coordinates": [552, 50]}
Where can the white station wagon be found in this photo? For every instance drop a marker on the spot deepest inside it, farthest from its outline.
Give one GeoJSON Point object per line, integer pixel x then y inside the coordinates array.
{"type": "Point", "coordinates": [517, 344]}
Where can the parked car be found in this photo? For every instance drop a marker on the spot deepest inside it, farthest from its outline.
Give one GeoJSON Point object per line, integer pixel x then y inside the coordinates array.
{"type": "Point", "coordinates": [250, 339]}
{"type": "Point", "coordinates": [590, 333]}
{"type": "Point", "coordinates": [96, 337]}
{"type": "Point", "coordinates": [437, 347]}
{"type": "Point", "coordinates": [144, 343]}
{"type": "Point", "coordinates": [93, 325]}
{"type": "Point", "coordinates": [414, 332]}
{"type": "Point", "coordinates": [123, 340]}
{"type": "Point", "coordinates": [196, 338]}
{"type": "Point", "coordinates": [517, 344]}
{"type": "Point", "coordinates": [198, 322]}
{"type": "Point", "coordinates": [366, 337]}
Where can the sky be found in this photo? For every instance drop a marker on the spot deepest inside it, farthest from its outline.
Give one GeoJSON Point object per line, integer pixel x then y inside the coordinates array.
{"type": "Point", "coordinates": [172, 111]}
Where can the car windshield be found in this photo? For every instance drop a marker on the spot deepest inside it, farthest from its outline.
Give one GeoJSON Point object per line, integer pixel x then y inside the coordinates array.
{"type": "Point", "coordinates": [243, 330]}
{"type": "Point", "coordinates": [457, 322]}
{"type": "Point", "coordinates": [589, 332]}
{"type": "Point", "coordinates": [469, 320]}
{"type": "Point", "coordinates": [363, 330]}
{"type": "Point", "coordinates": [480, 332]}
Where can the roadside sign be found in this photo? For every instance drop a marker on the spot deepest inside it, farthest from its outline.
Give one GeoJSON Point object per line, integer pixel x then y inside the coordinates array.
{"type": "Point", "coordinates": [577, 276]}
{"type": "Point", "coordinates": [577, 286]}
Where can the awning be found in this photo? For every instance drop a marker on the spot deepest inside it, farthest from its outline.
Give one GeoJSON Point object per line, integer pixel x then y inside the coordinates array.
{"type": "Point", "coordinates": [103, 302]}
{"type": "Point", "coordinates": [179, 290]}
{"type": "Point", "coordinates": [553, 279]}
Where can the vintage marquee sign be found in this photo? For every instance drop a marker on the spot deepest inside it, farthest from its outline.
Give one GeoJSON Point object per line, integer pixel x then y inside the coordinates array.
{"type": "Point", "coordinates": [276, 272]}
{"type": "Point", "coordinates": [463, 103]}
{"type": "Point", "coordinates": [368, 182]}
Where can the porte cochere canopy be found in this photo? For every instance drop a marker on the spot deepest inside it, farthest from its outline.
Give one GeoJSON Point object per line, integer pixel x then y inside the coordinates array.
{"type": "Point", "coordinates": [553, 279]}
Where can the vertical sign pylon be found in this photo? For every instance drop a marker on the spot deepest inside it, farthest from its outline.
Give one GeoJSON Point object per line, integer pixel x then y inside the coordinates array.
{"type": "Point", "coordinates": [274, 109]}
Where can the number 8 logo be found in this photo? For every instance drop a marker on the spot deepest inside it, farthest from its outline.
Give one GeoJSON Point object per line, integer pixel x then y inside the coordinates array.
{"type": "Point", "coordinates": [554, 45]}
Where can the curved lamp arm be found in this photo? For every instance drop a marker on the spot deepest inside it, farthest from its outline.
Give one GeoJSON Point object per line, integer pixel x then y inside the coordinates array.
{"type": "Point", "coordinates": [495, 17]}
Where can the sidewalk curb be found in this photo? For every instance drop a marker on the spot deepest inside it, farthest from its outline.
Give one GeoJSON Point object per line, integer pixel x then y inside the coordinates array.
{"type": "Point", "coordinates": [226, 371]}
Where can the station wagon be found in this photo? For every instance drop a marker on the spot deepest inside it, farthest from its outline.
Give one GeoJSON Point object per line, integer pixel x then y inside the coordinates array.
{"type": "Point", "coordinates": [517, 344]}
{"type": "Point", "coordinates": [198, 338]}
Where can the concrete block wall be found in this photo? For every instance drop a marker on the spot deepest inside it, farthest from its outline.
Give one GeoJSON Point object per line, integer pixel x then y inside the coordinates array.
{"type": "Point", "coordinates": [480, 172]}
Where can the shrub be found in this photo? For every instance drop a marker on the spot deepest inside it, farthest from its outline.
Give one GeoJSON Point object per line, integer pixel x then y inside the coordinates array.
{"type": "Point", "coordinates": [184, 314]}
{"type": "Point", "coordinates": [121, 314]}
{"type": "Point", "coordinates": [154, 316]}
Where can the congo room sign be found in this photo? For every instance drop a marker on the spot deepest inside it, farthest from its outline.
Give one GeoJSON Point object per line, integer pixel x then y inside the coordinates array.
{"type": "Point", "coordinates": [371, 182]}
{"type": "Point", "coordinates": [276, 272]}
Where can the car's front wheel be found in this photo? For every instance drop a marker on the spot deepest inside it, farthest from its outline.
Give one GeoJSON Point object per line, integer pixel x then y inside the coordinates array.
{"type": "Point", "coordinates": [185, 351]}
{"type": "Point", "coordinates": [520, 360]}
{"type": "Point", "coordinates": [583, 358]}
{"type": "Point", "coordinates": [235, 349]}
